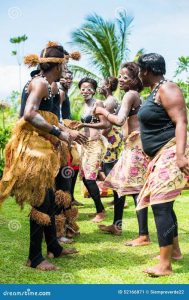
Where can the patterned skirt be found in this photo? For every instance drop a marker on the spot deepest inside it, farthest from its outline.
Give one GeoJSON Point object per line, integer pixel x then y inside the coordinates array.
{"type": "Point", "coordinates": [91, 157]}
{"type": "Point", "coordinates": [164, 181]}
{"type": "Point", "coordinates": [128, 175]}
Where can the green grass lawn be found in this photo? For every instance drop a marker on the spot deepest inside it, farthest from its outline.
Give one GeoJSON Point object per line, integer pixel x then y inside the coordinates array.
{"type": "Point", "coordinates": [102, 258]}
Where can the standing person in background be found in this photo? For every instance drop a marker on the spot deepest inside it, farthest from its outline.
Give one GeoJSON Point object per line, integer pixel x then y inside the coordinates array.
{"type": "Point", "coordinates": [66, 215]}
{"type": "Point", "coordinates": [163, 126]}
{"type": "Point", "coordinates": [113, 134]}
{"type": "Point", "coordinates": [65, 84]}
{"type": "Point", "coordinates": [127, 176]}
{"type": "Point", "coordinates": [65, 114]}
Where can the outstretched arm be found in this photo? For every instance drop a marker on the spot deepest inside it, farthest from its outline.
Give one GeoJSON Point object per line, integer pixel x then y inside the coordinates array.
{"type": "Point", "coordinates": [103, 124]}
{"type": "Point", "coordinates": [119, 120]}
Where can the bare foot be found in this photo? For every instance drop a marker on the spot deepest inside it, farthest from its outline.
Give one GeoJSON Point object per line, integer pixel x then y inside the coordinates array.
{"type": "Point", "coordinates": [175, 256]}
{"type": "Point", "coordinates": [159, 270]}
{"type": "Point", "coordinates": [43, 266]}
{"type": "Point", "coordinates": [113, 229]}
{"type": "Point", "coordinates": [93, 215]}
{"type": "Point", "coordinates": [142, 240]}
{"type": "Point", "coordinates": [99, 217]}
{"type": "Point", "coordinates": [65, 240]}
{"type": "Point", "coordinates": [64, 252]}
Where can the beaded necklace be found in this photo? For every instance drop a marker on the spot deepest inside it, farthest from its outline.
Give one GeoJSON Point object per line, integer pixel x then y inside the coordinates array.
{"type": "Point", "coordinates": [49, 87]}
{"type": "Point", "coordinates": [155, 90]}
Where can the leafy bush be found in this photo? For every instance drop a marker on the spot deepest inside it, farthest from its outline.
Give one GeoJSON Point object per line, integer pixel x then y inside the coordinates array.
{"type": "Point", "coordinates": [4, 137]}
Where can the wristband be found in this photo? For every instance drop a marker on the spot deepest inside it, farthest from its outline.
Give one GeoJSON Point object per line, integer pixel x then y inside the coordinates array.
{"type": "Point", "coordinates": [55, 131]}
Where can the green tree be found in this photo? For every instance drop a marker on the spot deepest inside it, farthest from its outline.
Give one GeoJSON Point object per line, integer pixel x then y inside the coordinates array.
{"type": "Point", "coordinates": [182, 65]}
{"type": "Point", "coordinates": [19, 42]}
{"type": "Point", "coordinates": [104, 43]}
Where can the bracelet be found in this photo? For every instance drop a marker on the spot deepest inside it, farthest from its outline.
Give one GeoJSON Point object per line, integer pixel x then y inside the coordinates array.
{"type": "Point", "coordinates": [107, 115]}
{"type": "Point", "coordinates": [55, 131]}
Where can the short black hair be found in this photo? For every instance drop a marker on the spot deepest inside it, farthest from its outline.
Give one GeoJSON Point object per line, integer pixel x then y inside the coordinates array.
{"type": "Point", "coordinates": [152, 62]}
{"type": "Point", "coordinates": [88, 80]}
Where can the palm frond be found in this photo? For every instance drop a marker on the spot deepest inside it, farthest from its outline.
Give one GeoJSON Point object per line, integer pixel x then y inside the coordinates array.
{"type": "Point", "coordinates": [124, 22]}
{"type": "Point", "coordinates": [138, 54]}
{"type": "Point", "coordinates": [103, 42]}
{"type": "Point", "coordinates": [79, 71]}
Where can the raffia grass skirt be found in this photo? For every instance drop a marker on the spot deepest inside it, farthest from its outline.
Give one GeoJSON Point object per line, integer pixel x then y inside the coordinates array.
{"type": "Point", "coordinates": [32, 161]}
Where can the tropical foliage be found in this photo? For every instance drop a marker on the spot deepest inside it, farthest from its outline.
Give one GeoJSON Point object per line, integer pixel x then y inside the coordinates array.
{"type": "Point", "coordinates": [104, 43]}
{"type": "Point", "coordinates": [8, 115]}
{"type": "Point", "coordinates": [182, 65]}
{"type": "Point", "coordinates": [19, 42]}
{"type": "Point", "coordinates": [4, 137]}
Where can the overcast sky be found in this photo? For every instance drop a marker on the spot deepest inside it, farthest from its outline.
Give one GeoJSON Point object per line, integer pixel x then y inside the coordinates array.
{"type": "Point", "coordinates": [160, 26]}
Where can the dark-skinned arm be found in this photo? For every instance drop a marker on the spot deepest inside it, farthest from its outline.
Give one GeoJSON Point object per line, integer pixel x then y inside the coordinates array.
{"type": "Point", "coordinates": [74, 134]}
{"type": "Point", "coordinates": [37, 91]}
{"type": "Point", "coordinates": [119, 120]}
{"type": "Point", "coordinates": [105, 132]}
{"type": "Point", "coordinates": [172, 100]}
{"type": "Point", "coordinates": [103, 124]}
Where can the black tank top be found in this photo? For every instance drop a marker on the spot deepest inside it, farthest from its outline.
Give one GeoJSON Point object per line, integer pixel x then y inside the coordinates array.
{"type": "Point", "coordinates": [66, 112]}
{"type": "Point", "coordinates": [90, 119]}
{"type": "Point", "coordinates": [46, 103]}
{"type": "Point", "coordinates": [56, 105]}
{"type": "Point", "coordinates": [156, 126]}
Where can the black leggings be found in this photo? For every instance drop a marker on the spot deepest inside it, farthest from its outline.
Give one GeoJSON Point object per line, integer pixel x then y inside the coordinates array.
{"type": "Point", "coordinates": [73, 182]}
{"type": "Point", "coordinates": [166, 223]}
{"type": "Point", "coordinates": [66, 184]}
{"type": "Point", "coordinates": [94, 192]}
{"type": "Point", "coordinates": [37, 231]}
{"type": "Point", "coordinates": [119, 202]}
{"type": "Point", "coordinates": [63, 183]}
{"type": "Point", "coordinates": [142, 215]}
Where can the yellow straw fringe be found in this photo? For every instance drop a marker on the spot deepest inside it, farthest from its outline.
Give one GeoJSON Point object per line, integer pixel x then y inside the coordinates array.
{"type": "Point", "coordinates": [32, 163]}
